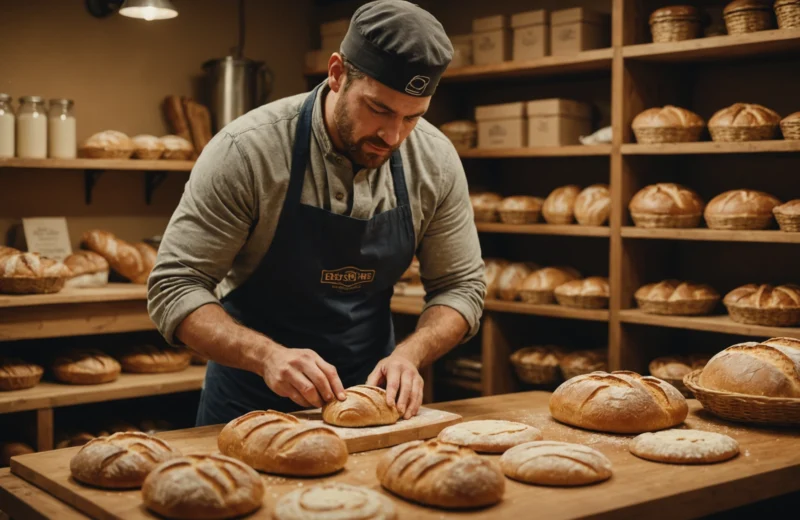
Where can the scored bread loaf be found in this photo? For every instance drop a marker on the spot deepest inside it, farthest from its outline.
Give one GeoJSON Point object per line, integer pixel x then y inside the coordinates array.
{"type": "Point", "coordinates": [510, 279]}
{"type": "Point", "coordinates": [85, 367]}
{"type": "Point", "coordinates": [88, 269]}
{"type": "Point", "coordinates": [764, 304]}
{"type": "Point", "coordinates": [589, 293]}
{"type": "Point", "coordinates": [176, 116]}
{"type": "Point", "coordinates": [618, 402]}
{"type": "Point", "coordinates": [133, 261]}
{"type": "Point", "coordinates": [770, 368]}
{"type": "Point", "coordinates": [29, 273]}
{"type": "Point", "coordinates": [553, 463]}
{"type": "Point", "coordinates": [674, 297]}
{"type": "Point", "coordinates": [744, 122]}
{"type": "Point", "coordinates": [334, 501]}
{"type": "Point", "coordinates": [559, 206]}
{"type": "Point", "coordinates": [364, 405]}
{"type": "Point", "coordinates": [666, 205]}
{"type": "Point", "coordinates": [199, 120]}
{"type": "Point", "coordinates": [593, 205]}
{"type": "Point", "coordinates": [539, 285]}
{"type": "Point", "coordinates": [439, 474]}
{"type": "Point", "coordinates": [275, 442]}
{"type": "Point", "coordinates": [489, 436]}
{"type": "Point", "coordinates": [17, 374]}
{"type": "Point", "coordinates": [203, 486]}
{"type": "Point", "coordinates": [119, 461]}
{"type": "Point", "coordinates": [668, 124]}
{"type": "Point", "coordinates": [741, 209]}
{"type": "Point", "coordinates": [150, 359]}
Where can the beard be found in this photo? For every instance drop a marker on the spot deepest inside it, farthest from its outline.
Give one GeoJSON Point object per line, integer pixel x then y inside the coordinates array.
{"type": "Point", "coordinates": [356, 149]}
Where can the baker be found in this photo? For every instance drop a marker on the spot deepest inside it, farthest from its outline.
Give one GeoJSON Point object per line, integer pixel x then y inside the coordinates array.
{"type": "Point", "coordinates": [300, 216]}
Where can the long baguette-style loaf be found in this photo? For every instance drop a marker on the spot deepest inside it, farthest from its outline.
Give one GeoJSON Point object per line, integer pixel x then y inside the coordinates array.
{"type": "Point", "coordinates": [364, 406]}
{"type": "Point", "coordinates": [275, 442]}
{"type": "Point", "coordinates": [618, 402]}
{"type": "Point", "coordinates": [440, 474]}
{"type": "Point", "coordinates": [132, 261]}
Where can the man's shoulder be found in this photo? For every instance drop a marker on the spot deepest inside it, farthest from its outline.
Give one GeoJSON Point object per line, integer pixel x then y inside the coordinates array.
{"type": "Point", "coordinates": [273, 116]}
{"type": "Point", "coordinates": [429, 148]}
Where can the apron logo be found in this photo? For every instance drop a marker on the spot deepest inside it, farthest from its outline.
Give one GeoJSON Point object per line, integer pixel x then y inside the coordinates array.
{"type": "Point", "coordinates": [347, 278]}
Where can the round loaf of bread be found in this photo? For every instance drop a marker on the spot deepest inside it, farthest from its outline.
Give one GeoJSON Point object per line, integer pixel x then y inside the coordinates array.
{"type": "Point", "coordinates": [85, 367]}
{"type": "Point", "coordinates": [150, 359]}
{"type": "Point", "coordinates": [17, 374]}
{"type": "Point", "coordinates": [275, 442]}
{"type": "Point", "coordinates": [203, 487]}
{"type": "Point", "coordinates": [559, 206]}
{"type": "Point", "coordinates": [334, 501]}
{"type": "Point", "coordinates": [741, 209]}
{"type": "Point", "coordinates": [484, 206]}
{"type": "Point", "coordinates": [583, 362]}
{"type": "Point", "coordinates": [489, 436]}
{"type": "Point", "coordinates": [147, 147]}
{"type": "Point", "coordinates": [666, 205]}
{"type": "Point", "coordinates": [593, 205]}
{"type": "Point", "coordinates": [667, 124]}
{"type": "Point", "coordinates": [12, 449]}
{"type": "Point", "coordinates": [520, 209]}
{"type": "Point", "coordinates": [744, 122]}
{"type": "Point", "coordinates": [684, 447]}
{"type": "Point", "coordinates": [30, 273]}
{"type": "Point", "coordinates": [589, 293]}
{"type": "Point", "coordinates": [440, 474]}
{"type": "Point", "coordinates": [674, 297]}
{"type": "Point", "coordinates": [109, 144]}
{"type": "Point", "coordinates": [618, 402]}
{"type": "Point", "coordinates": [552, 463]}
{"type": "Point", "coordinates": [494, 266]}
{"type": "Point", "coordinates": [176, 148]}
{"type": "Point", "coordinates": [764, 304]}
{"type": "Point", "coordinates": [510, 279]}
{"type": "Point", "coordinates": [770, 369]}
{"type": "Point", "coordinates": [365, 405]}
{"type": "Point", "coordinates": [539, 285]}
{"type": "Point", "coordinates": [121, 461]}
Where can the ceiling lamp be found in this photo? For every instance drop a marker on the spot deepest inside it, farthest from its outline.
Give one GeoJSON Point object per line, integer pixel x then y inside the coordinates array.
{"type": "Point", "coordinates": [148, 9]}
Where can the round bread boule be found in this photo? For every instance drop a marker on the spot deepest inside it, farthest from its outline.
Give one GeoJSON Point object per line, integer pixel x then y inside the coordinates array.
{"type": "Point", "coordinates": [684, 447]}
{"type": "Point", "coordinates": [552, 463]}
{"type": "Point", "coordinates": [334, 501]}
{"type": "Point", "coordinates": [489, 436]}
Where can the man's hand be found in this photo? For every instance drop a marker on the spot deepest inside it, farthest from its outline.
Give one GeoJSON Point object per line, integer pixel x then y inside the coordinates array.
{"type": "Point", "coordinates": [302, 376]}
{"type": "Point", "coordinates": [403, 382]}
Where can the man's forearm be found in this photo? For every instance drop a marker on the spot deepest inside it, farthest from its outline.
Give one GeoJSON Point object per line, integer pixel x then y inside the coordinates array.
{"type": "Point", "coordinates": [211, 332]}
{"type": "Point", "coordinates": [440, 328]}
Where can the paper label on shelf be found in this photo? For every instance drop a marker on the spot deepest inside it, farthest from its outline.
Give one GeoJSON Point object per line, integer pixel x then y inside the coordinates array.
{"type": "Point", "coordinates": [47, 236]}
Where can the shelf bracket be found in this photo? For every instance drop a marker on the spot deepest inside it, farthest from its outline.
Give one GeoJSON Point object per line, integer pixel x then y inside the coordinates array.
{"type": "Point", "coordinates": [152, 180]}
{"type": "Point", "coordinates": [89, 180]}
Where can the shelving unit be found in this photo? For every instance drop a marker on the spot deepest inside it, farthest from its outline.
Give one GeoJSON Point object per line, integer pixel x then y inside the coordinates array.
{"type": "Point", "coordinates": [99, 164]}
{"type": "Point", "coordinates": [573, 230]}
{"type": "Point", "coordinates": [706, 148]}
{"type": "Point", "coordinates": [716, 235]}
{"type": "Point", "coordinates": [598, 150]}
{"type": "Point", "coordinates": [722, 324]}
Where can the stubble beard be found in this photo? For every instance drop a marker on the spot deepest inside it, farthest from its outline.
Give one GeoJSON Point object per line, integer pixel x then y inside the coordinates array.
{"type": "Point", "coordinates": [355, 149]}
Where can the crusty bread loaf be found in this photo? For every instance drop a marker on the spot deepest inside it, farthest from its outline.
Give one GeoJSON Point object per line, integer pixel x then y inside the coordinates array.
{"type": "Point", "coordinates": [334, 501]}
{"type": "Point", "coordinates": [559, 206]}
{"type": "Point", "coordinates": [150, 359]}
{"type": "Point", "coordinates": [676, 367]}
{"type": "Point", "coordinates": [108, 144]}
{"type": "Point", "coordinates": [176, 148]}
{"type": "Point", "coordinates": [176, 116]}
{"type": "Point", "coordinates": [5, 250]}
{"type": "Point", "coordinates": [29, 273]}
{"type": "Point", "coordinates": [510, 279]}
{"type": "Point", "coordinates": [275, 442]}
{"type": "Point", "coordinates": [148, 254]}
{"type": "Point", "coordinates": [552, 463]}
{"type": "Point", "coordinates": [764, 304]}
{"type": "Point", "coordinates": [12, 449]}
{"type": "Point", "coordinates": [133, 261]}
{"type": "Point", "coordinates": [618, 402]}
{"type": "Point", "coordinates": [121, 461]}
{"type": "Point", "coordinates": [741, 209]}
{"type": "Point", "coordinates": [439, 474]}
{"type": "Point", "coordinates": [744, 115]}
{"type": "Point", "coordinates": [489, 436]}
{"type": "Point", "coordinates": [203, 487]}
{"type": "Point", "coordinates": [770, 368]}
{"type": "Point", "coordinates": [666, 205]}
{"type": "Point", "coordinates": [520, 209]}
{"type": "Point", "coordinates": [593, 205]}
{"type": "Point", "coordinates": [365, 405]}
{"type": "Point", "coordinates": [85, 367]}
{"type": "Point", "coordinates": [17, 374]}
{"type": "Point", "coordinates": [677, 298]}
{"type": "Point", "coordinates": [681, 446]}
{"type": "Point", "coordinates": [538, 286]}
{"type": "Point", "coordinates": [589, 293]}
{"type": "Point", "coordinates": [88, 269]}
{"type": "Point", "coordinates": [147, 147]}
{"type": "Point", "coordinates": [199, 120]}
{"type": "Point", "coordinates": [484, 206]}
{"type": "Point", "coordinates": [667, 117]}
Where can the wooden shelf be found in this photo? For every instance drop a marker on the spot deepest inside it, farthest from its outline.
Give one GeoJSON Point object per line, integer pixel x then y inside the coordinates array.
{"type": "Point", "coordinates": [707, 323]}
{"type": "Point", "coordinates": [99, 164]}
{"type": "Point", "coordinates": [408, 304]}
{"type": "Point", "coordinates": [466, 384]}
{"type": "Point", "coordinates": [544, 229]}
{"type": "Point", "coordinates": [717, 235]}
{"type": "Point", "coordinates": [541, 151]}
{"type": "Point", "coordinates": [760, 43]}
{"type": "Point", "coordinates": [53, 395]}
{"type": "Point", "coordinates": [111, 293]}
{"type": "Point", "coordinates": [551, 310]}
{"type": "Point", "coordinates": [710, 148]}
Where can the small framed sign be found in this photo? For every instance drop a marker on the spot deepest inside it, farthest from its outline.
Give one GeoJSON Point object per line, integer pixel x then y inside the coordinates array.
{"type": "Point", "coordinates": [47, 236]}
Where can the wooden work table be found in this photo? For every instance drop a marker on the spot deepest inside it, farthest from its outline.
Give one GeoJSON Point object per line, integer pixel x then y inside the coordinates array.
{"type": "Point", "coordinates": [768, 466]}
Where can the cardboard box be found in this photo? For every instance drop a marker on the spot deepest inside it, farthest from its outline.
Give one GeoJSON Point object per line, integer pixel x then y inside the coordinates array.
{"type": "Point", "coordinates": [577, 29]}
{"type": "Point", "coordinates": [462, 50]}
{"type": "Point", "coordinates": [501, 126]}
{"type": "Point", "coordinates": [531, 35]}
{"type": "Point", "coordinates": [557, 122]}
{"type": "Point", "coordinates": [491, 43]}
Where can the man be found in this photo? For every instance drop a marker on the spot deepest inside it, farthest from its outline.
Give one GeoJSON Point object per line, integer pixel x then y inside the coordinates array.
{"type": "Point", "coordinates": [304, 213]}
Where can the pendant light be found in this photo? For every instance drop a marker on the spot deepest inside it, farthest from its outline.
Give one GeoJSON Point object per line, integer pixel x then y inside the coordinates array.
{"type": "Point", "coordinates": [148, 9]}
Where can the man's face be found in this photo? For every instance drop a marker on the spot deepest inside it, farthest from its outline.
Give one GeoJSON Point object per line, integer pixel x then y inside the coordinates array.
{"type": "Point", "coordinates": [373, 120]}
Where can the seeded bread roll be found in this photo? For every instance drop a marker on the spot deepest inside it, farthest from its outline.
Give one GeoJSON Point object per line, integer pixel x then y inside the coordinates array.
{"type": "Point", "coordinates": [489, 436]}
{"type": "Point", "coordinates": [275, 442]}
{"type": "Point", "coordinates": [552, 463]}
{"type": "Point", "coordinates": [618, 402]}
{"type": "Point", "coordinates": [364, 406]}
{"type": "Point", "coordinates": [17, 374]}
{"type": "Point", "coordinates": [85, 367]}
{"type": "Point", "coordinates": [439, 474]}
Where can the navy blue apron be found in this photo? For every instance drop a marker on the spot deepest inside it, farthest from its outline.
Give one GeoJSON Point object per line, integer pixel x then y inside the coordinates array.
{"type": "Point", "coordinates": [325, 284]}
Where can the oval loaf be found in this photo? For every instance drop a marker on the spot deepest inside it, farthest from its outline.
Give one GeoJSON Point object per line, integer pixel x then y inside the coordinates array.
{"type": "Point", "coordinates": [489, 436]}
{"type": "Point", "coordinates": [365, 405]}
{"type": "Point", "coordinates": [553, 463]}
{"type": "Point", "coordinates": [334, 501]}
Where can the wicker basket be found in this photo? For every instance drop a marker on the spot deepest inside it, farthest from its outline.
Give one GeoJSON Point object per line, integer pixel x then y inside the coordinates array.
{"type": "Point", "coordinates": [519, 216]}
{"type": "Point", "coordinates": [768, 317]}
{"type": "Point", "coordinates": [678, 308]}
{"type": "Point", "coordinates": [147, 155]}
{"type": "Point", "coordinates": [788, 223]}
{"type": "Point", "coordinates": [19, 285]}
{"type": "Point", "coordinates": [486, 215]}
{"type": "Point", "coordinates": [738, 222]}
{"type": "Point", "coordinates": [101, 153]}
{"type": "Point", "coordinates": [788, 14]}
{"type": "Point", "coordinates": [790, 128]}
{"type": "Point", "coordinates": [745, 408]}
{"type": "Point", "coordinates": [560, 219]}
{"type": "Point", "coordinates": [542, 297]}
{"type": "Point", "coordinates": [675, 29]}
{"type": "Point", "coordinates": [582, 301]}
{"type": "Point", "coordinates": [749, 20]}
{"type": "Point", "coordinates": [733, 134]}
{"type": "Point", "coordinates": [655, 135]}
{"type": "Point", "coordinates": [533, 373]}
{"type": "Point", "coordinates": [649, 220]}
{"type": "Point", "coordinates": [21, 382]}
{"type": "Point", "coordinates": [177, 155]}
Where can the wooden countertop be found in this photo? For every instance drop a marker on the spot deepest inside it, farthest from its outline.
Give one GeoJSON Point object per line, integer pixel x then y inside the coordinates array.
{"type": "Point", "coordinates": [768, 466]}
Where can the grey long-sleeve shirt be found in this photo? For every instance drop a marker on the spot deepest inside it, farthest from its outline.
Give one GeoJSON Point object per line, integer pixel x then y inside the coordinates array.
{"type": "Point", "coordinates": [227, 216]}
